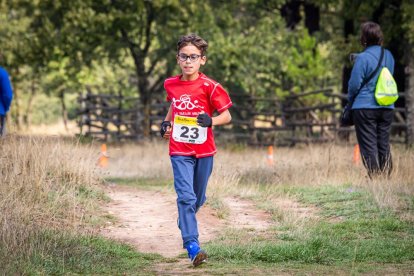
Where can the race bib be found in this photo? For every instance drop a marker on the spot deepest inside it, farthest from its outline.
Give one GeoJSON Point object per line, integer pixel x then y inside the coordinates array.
{"type": "Point", "coordinates": [186, 130]}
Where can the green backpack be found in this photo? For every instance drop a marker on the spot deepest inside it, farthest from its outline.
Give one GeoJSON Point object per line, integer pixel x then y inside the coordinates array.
{"type": "Point", "coordinates": [386, 91]}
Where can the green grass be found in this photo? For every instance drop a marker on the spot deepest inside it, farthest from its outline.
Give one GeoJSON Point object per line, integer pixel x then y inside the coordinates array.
{"type": "Point", "coordinates": [343, 202]}
{"type": "Point", "coordinates": [84, 193]}
{"type": "Point", "coordinates": [351, 235]}
{"type": "Point", "coordinates": [291, 268]}
{"type": "Point", "coordinates": [326, 243]}
{"type": "Point", "coordinates": [352, 231]}
{"type": "Point", "coordinates": [54, 253]}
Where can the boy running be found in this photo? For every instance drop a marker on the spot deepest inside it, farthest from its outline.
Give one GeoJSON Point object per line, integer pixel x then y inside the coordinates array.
{"type": "Point", "coordinates": [188, 125]}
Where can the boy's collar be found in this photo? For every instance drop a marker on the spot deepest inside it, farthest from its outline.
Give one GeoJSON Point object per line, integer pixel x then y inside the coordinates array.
{"type": "Point", "coordinates": [199, 76]}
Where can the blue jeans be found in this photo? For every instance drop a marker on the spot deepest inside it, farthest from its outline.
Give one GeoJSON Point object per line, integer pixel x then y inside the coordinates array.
{"type": "Point", "coordinates": [190, 182]}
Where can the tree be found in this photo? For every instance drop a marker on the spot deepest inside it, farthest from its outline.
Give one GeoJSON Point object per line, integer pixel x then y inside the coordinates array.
{"type": "Point", "coordinates": [85, 31]}
{"type": "Point", "coordinates": [250, 51]}
{"type": "Point", "coordinates": [19, 59]}
{"type": "Point", "coordinates": [408, 27]}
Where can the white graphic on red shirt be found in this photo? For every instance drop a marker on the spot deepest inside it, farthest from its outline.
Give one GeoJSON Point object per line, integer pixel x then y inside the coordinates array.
{"type": "Point", "coordinates": [184, 103]}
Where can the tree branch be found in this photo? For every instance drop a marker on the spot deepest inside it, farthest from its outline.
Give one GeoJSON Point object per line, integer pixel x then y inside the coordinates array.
{"type": "Point", "coordinates": [141, 29]}
{"type": "Point", "coordinates": [157, 59]}
{"type": "Point", "coordinates": [150, 20]}
{"type": "Point", "coordinates": [157, 85]}
{"type": "Point", "coordinates": [131, 45]}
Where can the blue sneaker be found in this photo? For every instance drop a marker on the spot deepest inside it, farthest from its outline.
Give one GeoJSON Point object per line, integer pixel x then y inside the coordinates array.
{"type": "Point", "coordinates": [196, 254]}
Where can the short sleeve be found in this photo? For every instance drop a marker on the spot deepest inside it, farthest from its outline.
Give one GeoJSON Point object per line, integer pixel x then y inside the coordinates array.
{"type": "Point", "coordinates": [168, 96]}
{"type": "Point", "coordinates": [220, 99]}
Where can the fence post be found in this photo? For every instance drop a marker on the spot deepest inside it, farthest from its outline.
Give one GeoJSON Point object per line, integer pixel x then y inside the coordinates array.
{"type": "Point", "coordinates": [88, 112]}
{"type": "Point", "coordinates": [252, 130]}
{"type": "Point", "coordinates": [119, 117]}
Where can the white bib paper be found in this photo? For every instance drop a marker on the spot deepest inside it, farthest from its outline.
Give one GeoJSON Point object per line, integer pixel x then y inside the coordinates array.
{"type": "Point", "coordinates": [186, 130]}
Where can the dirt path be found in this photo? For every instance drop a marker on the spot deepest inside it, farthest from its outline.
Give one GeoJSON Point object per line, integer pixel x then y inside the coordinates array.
{"type": "Point", "coordinates": [244, 214]}
{"type": "Point", "coordinates": [148, 219]}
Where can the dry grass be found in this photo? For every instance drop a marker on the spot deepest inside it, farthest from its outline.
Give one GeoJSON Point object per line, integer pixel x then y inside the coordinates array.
{"type": "Point", "coordinates": [41, 180]}
{"type": "Point", "coordinates": [245, 171]}
{"type": "Point", "coordinates": [41, 177]}
{"type": "Point", "coordinates": [49, 183]}
{"type": "Point", "coordinates": [147, 160]}
{"type": "Point", "coordinates": [313, 166]}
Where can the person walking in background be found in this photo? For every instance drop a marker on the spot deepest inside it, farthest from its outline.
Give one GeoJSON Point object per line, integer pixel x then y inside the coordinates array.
{"type": "Point", "coordinates": [188, 126]}
{"type": "Point", "coordinates": [6, 95]}
{"type": "Point", "coordinates": [372, 121]}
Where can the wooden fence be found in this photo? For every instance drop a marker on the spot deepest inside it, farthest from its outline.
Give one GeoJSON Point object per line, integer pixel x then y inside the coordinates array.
{"type": "Point", "coordinates": [110, 117]}
{"type": "Point", "coordinates": [256, 120]}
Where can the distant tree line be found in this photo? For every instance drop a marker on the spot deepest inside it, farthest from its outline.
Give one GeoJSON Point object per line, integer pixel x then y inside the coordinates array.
{"type": "Point", "coordinates": [257, 47]}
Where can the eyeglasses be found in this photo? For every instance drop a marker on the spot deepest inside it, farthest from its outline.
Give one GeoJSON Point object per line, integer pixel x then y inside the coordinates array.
{"type": "Point", "coordinates": [192, 57]}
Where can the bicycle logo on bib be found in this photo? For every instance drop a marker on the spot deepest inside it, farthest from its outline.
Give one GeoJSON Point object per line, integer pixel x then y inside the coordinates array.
{"type": "Point", "coordinates": [184, 103]}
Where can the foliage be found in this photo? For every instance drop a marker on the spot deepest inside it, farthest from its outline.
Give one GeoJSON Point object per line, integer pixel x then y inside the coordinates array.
{"type": "Point", "coordinates": [408, 20]}
{"type": "Point", "coordinates": [47, 109]}
{"type": "Point", "coordinates": [129, 46]}
{"type": "Point", "coordinates": [258, 56]}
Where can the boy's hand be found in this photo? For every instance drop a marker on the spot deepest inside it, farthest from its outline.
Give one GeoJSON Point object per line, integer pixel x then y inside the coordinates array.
{"type": "Point", "coordinates": [165, 129]}
{"type": "Point", "coordinates": [204, 120]}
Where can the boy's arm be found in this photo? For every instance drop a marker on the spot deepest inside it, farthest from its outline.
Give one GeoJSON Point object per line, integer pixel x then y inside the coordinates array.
{"type": "Point", "coordinates": [204, 120]}
{"type": "Point", "coordinates": [168, 118]}
{"type": "Point", "coordinates": [222, 119]}
{"type": "Point", "coordinates": [169, 114]}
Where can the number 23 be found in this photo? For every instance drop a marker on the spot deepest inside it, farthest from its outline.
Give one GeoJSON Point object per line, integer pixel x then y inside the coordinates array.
{"type": "Point", "coordinates": [193, 132]}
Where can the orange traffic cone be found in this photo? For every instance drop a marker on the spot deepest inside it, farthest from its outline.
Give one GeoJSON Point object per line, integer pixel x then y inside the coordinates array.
{"type": "Point", "coordinates": [103, 157]}
{"type": "Point", "coordinates": [357, 155]}
{"type": "Point", "coordinates": [269, 156]}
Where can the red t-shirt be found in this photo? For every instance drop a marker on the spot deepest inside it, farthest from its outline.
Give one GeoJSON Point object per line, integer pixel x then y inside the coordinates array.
{"type": "Point", "coordinates": [189, 98]}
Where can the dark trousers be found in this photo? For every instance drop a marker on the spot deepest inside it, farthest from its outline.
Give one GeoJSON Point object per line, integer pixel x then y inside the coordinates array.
{"type": "Point", "coordinates": [372, 128]}
{"type": "Point", "coordinates": [2, 125]}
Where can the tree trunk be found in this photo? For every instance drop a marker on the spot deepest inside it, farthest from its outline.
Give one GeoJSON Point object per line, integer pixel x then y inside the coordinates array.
{"type": "Point", "coordinates": [146, 103]}
{"type": "Point", "coordinates": [312, 17]}
{"type": "Point", "coordinates": [145, 95]}
{"type": "Point", "coordinates": [143, 84]}
{"type": "Point", "coordinates": [290, 11]}
{"type": "Point", "coordinates": [346, 70]}
{"type": "Point", "coordinates": [64, 110]}
{"type": "Point", "coordinates": [147, 120]}
{"type": "Point", "coordinates": [409, 98]}
{"type": "Point", "coordinates": [348, 28]}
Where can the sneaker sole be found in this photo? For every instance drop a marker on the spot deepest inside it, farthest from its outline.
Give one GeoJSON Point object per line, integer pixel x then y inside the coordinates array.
{"type": "Point", "coordinates": [200, 258]}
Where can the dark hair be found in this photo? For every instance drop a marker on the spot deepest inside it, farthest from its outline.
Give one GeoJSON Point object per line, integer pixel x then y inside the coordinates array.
{"type": "Point", "coordinates": [193, 39]}
{"type": "Point", "coordinates": [371, 34]}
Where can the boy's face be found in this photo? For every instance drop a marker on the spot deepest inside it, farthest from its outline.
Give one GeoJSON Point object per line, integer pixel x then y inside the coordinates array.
{"type": "Point", "coordinates": [189, 58]}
